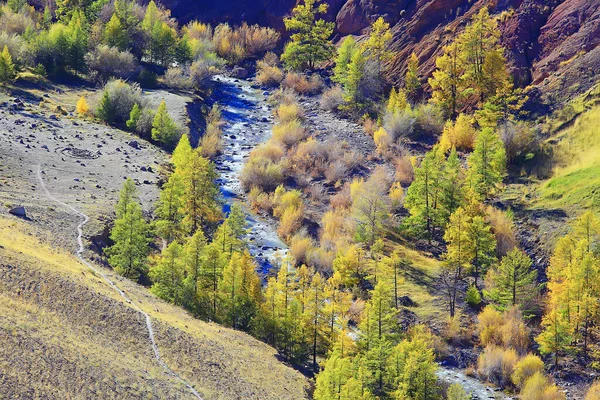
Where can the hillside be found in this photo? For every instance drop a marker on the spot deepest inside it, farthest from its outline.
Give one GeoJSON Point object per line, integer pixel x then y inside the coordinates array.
{"type": "Point", "coordinates": [64, 333]}
{"type": "Point", "coordinates": [552, 45]}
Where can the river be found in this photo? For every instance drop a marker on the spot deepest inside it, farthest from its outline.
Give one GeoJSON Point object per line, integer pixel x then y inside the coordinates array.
{"type": "Point", "coordinates": [248, 122]}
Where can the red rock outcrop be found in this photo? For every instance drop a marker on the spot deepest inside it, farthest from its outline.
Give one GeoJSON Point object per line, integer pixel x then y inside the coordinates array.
{"type": "Point", "coordinates": [552, 44]}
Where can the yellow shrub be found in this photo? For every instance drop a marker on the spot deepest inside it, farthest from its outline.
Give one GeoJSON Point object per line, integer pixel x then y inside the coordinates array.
{"type": "Point", "coordinates": [270, 150]}
{"type": "Point", "coordinates": [497, 365]}
{"type": "Point", "coordinates": [284, 200]}
{"type": "Point", "coordinates": [82, 107]}
{"type": "Point", "coordinates": [396, 195]}
{"type": "Point", "coordinates": [461, 134]}
{"type": "Point", "coordinates": [405, 172]}
{"type": "Point", "coordinates": [259, 200]}
{"type": "Point", "coordinates": [289, 133]}
{"type": "Point", "coordinates": [290, 222]}
{"type": "Point", "coordinates": [211, 141]}
{"type": "Point", "coordinates": [527, 367]}
{"type": "Point", "coordinates": [382, 140]}
{"type": "Point", "coordinates": [539, 387]}
{"type": "Point", "coordinates": [489, 326]}
{"type": "Point", "coordinates": [303, 85]}
{"type": "Point", "coordinates": [268, 75]}
{"type": "Point", "coordinates": [593, 392]}
{"type": "Point", "coordinates": [288, 112]}
{"type": "Point", "coordinates": [300, 247]}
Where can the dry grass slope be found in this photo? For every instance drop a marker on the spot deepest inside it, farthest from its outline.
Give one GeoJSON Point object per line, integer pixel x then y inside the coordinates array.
{"type": "Point", "coordinates": [65, 334]}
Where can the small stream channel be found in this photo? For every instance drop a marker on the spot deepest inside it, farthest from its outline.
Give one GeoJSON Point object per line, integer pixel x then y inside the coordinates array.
{"type": "Point", "coordinates": [248, 123]}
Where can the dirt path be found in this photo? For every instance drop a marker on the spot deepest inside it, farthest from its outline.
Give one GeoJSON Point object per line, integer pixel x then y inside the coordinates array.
{"type": "Point", "coordinates": [80, 253]}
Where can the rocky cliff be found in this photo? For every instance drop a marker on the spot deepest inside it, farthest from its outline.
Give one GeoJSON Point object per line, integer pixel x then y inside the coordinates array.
{"type": "Point", "coordinates": [552, 44]}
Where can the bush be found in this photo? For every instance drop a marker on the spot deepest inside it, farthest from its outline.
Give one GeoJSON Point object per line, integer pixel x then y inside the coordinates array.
{"type": "Point", "coordinates": [261, 173]}
{"type": "Point", "coordinates": [383, 140]}
{"type": "Point", "coordinates": [460, 134]}
{"type": "Point", "coordinates": [290, 222]}
{"type": "Point", "coordinates": [247, 41]}
{"type": "Point", "coordinates": [503, 228]}
{"type": "Point", "coordinates": [430, 120]}
{"type": "Point", "coordinates": [268, 72]}
{"type": "Point", "coordinates": [497, 365]}
{"type": "Point", "coordinates": [259, 200]}
{"type": "Point", "coordinates": [82, 107]}
{"type": "Point", "coordinates": [400, 124]}
{"type": "Point", "coordinates": [539, 387]}
{"type": "Point", "coordinates": [302, 85]}
{"type": "Point", "coordinates": [284, 200]}
{"type": "Point", "coordinates": [405, 173]}
{"type": "Point", "coordinates": [526, 368]}
{"type": "Point", "coordinates": [15, 23]}
{"type": "Point", "coordinates": [177, 78]}
{"type": "Point", "coordinates": [396, 195]}
{"type": "Point", "coordinates": [300, 247]}
{"type": "Point", "coordinates": [289, 133]}
{"type": "Point", "coordinates": [211, 141]}
{"type": "Point", "coordinates": [332, 99]}
{"type": "Point", "coordinates": [106, 62]}
{"type": "Point", "coordinates": [288, 112]}
{"type": "Point", "coordinates": [489, 326]}
{"type": "Point", "coordinates": [473, 297]}
{"type": "Point", "coordinates": [593, 392]}
{"type": "Point", "coordinates": [17, 47]}
{"type": "Point", "coordinates": [118, 98]}
{"type": "Point", "coordinates": [202, 71]}
{"type": "Point", "coordinates": [270, 150]}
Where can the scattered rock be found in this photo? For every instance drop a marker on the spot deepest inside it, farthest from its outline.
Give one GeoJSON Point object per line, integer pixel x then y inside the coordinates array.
{"type": "Point", "coordinates": [18, 211]}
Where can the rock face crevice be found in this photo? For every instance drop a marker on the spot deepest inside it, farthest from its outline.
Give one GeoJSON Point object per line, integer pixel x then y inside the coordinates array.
{"type": "Point", "coordinates": [551, 44]}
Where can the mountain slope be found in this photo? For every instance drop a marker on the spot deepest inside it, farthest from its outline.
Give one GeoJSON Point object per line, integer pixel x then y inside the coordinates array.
{"type": "Point", "coordinates": [552, 44]}
{"type": "Point", "coordinates": [64, 333]}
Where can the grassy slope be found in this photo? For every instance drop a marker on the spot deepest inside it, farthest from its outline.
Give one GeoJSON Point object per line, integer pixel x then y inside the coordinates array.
{"type": "Point", "coordinates": [65, 334]}
{"type": "Point", "coordinates": [575, 182]}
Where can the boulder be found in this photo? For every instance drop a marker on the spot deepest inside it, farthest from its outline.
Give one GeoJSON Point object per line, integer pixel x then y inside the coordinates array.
{"type": "Point", "coordinates": [239, 72]}
{"type": "Point", "coordinates": [18, 211]}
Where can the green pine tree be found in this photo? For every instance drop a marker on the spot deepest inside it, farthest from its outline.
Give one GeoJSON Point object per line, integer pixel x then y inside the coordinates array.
{"type": "Point", "coordinates": [129, 252]}
{"type": "Point", "coordinates": [164, 129]}
{"type": "Point", "coordinates": [310, 42]}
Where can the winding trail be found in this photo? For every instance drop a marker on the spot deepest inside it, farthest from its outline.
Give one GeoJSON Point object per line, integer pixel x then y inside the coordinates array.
{"type": "Point", "coordinates": [80, 251]}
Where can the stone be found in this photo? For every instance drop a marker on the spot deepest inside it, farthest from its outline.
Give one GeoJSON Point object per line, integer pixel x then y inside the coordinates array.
{"type": "Point", "coordinates": [18, 211]}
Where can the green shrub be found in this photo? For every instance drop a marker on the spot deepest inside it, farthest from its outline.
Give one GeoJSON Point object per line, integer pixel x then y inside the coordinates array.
{"type": "Point", "coordinates": [473, 297]}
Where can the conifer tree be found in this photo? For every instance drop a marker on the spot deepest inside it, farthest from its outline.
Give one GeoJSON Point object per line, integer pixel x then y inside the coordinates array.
{"type": "Point", "coordinates": [78, 40]}
{"type": "Point", "coordinates": [423, 196]}
{"type": "Point", "coordinates": [482, 245]}
{"type": "Point", "coordinates": [513, 282]}
{"type": "Point", "coordinates": [168, 273]}
{"type": "Point", "coordinates": [344, 56]}
{"type": "Point", "coordinates": [239, 290]}
{"type": "Point", "coordinates": [397, 101]}
{"type": "Point", "coordinates": [130, 235]}
{"type": "Point", "coordinates": [215, 262]}
{"type": "Point", "coordinates": [182, 153]}
{"type": "Point", "coordinates": [169, 225]}
{"type": "Point", "coordinates": [195, 260]}
{"type": "Point", "coordinates": [447, 81]}
{"type": "Point", "coordinates": [82, 107]}
{"type": "Point", "coordinates": [377, 328]}
{"type": "Point", "coordinates": [377, 44]}
{"type": "Point", "coordinates": [337, 370]}
{"type": "Point", "coordinates": [115, 35]}
{"type": "Point", "coordinates": [412, 83]}
{"type": "Point", "coordinates": [487, 163]}
{"type": "Point", "coordinates": [164, 129]}
{"type": "Point", "coordinates": [315, 318]}
{"type": "Point", "coordinates": [134, 117]}
{"type": "Point", "coordinates": [310, 42]}
{"type": "Point", "coordinates": [557, 334]}
{"type": "Point", "coordinates": [201, 206]}
{"type": "Point", "coordinates": [7, 67]}
{"type": "Point", "coordinates": [457, 257]}
{"type": "Point", "coordinates": [355, 76]}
